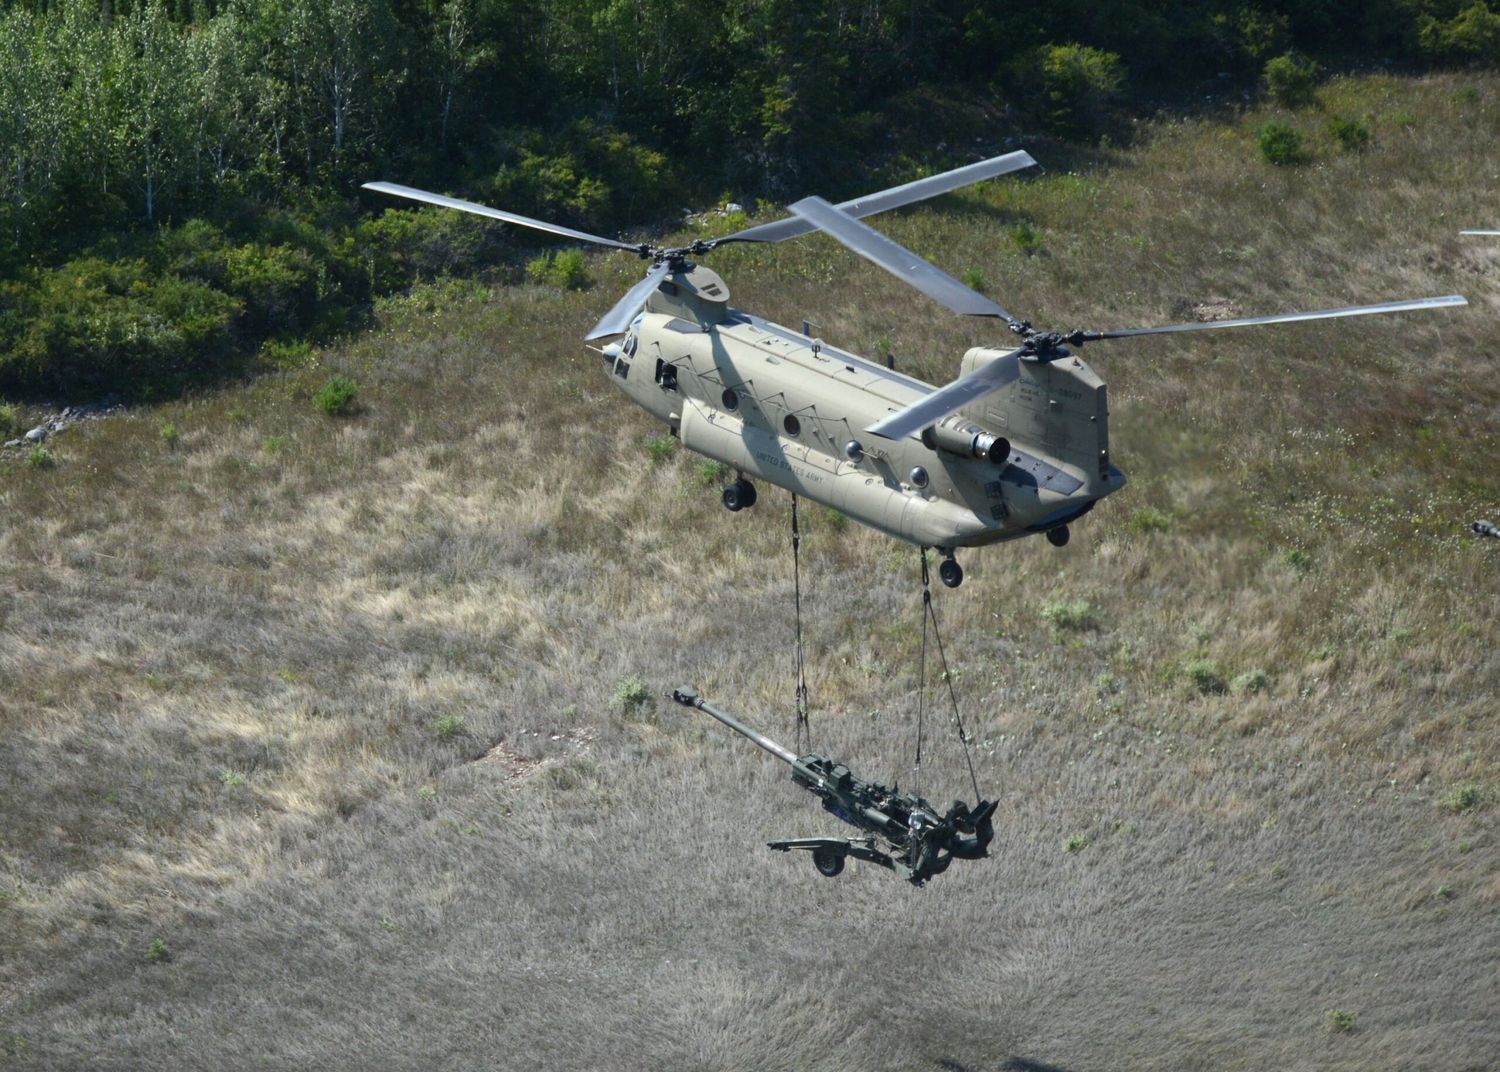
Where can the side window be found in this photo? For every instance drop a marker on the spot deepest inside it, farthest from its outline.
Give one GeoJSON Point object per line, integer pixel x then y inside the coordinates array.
{"type": "Point", "coordinates": [666, 375]}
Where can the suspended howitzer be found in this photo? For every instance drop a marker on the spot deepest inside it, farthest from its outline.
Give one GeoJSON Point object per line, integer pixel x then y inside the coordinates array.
{"type": "Point", "coordinates": [903, 832]}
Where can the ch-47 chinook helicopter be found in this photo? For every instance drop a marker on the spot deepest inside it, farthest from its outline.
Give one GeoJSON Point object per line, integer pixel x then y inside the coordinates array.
{"type": "Point", "coordinates": [1018, 444]}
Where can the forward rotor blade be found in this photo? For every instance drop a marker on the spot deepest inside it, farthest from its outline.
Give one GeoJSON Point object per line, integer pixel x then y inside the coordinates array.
{"type": "Point", "coordinates": [493, 213]}
{"type": "Point", "coordinates": [1480, 232]}
{"type": "Point", "coordinates": [950, 399]}
{"type": "Point", "coordinates": [1284, 318]}
{"type": "Point", "coordinates": [895, 197]}
{"type": "Point", "coordinates": [618, 319]}
{"type": "Point", "coordinates": [898, 260]}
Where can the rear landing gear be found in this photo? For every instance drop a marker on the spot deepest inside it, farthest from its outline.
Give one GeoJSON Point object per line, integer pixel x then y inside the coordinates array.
{"type": "Point", "coordinates": [828, 862]}
{"type": "Point", "coordinates": [1058, 537]}
{"type": "Point", "coordinates": [740, 495]}
{"type": "Point", "coordinates": [951, 573]}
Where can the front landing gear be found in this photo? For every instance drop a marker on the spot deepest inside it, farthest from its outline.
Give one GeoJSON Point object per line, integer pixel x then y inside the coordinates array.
{"type": "Point", "coordinates": [1058, 537]}
{"type": "Point", "coordinates": [739, 496]}
{"type": "Point", "coordinates": [951, 573]}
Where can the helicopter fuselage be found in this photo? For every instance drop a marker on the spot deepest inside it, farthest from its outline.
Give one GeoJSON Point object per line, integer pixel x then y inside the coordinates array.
{"type": "Point", "coordinates": [775, 404]}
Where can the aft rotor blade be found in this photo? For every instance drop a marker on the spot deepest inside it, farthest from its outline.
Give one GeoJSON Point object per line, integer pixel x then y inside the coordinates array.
{"type": "Point", "coordinates": [1480, 232]}
{"type": "Point", "coordinates": [493, 213]}
{"type": "Point", "coordinates": [896, 259]}
{"type": "Point", "coordinates": [895, 197]}
{"type": "Point", "coordinates": [950, 399]}
{"type": "Point", "coordinates": [618, 319]}
{"type": "Point", "coordinates": [1284, 318]}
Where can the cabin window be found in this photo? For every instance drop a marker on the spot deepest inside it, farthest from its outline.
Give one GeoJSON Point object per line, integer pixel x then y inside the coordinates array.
{"type": "Point", "coordinates": [666, 375]}
{"type": "Point", "coordinates": [622, 369]}
{"type": "Point", "coordinates": [730, 399]}
{"type": "Point", "coordinates": [792, 425]}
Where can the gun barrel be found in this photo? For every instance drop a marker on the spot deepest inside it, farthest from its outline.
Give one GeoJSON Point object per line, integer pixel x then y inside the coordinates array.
{"type": "Point", "coordinates": [690, 698]}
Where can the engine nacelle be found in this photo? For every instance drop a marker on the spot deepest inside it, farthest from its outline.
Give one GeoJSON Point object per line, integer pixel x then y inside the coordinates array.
{"type": "Point", "coordinates": [956, 435]}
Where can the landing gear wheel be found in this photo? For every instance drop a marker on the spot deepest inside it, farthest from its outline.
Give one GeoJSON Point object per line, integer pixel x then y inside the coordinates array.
{"type": "Point", "coordinates": [1058, 537]}
{"type": "Point", "coordinates": [828, 862]}
{"type": "Point", "coordinates": [951, 572]}
{"type": "Point", "coordinates": [739, 496]}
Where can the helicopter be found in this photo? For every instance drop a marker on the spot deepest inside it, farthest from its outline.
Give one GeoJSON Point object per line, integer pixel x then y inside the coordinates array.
{"type": "Point", "coordinates": [1017, 445]}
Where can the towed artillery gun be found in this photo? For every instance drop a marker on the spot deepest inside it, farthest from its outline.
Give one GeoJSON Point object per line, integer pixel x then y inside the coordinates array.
{"type": "Point", "coordinates": [904, 833]}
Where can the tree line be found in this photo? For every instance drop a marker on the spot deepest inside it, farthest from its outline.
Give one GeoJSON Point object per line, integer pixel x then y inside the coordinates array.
{"type": "Point", "coordinates": [122, 121]}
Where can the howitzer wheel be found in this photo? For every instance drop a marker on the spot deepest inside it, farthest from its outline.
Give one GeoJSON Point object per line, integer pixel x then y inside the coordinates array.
{"type": "Point", "coordinates": [828, 862]}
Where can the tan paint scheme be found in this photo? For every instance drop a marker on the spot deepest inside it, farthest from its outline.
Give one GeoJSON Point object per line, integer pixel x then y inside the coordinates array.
{"type": "Point", "coordinates": [1055, 417]}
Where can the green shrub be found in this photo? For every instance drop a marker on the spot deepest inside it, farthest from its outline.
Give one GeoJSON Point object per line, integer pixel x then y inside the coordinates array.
{"type": "Point", "coordinates": [1149, 519]}
{"type": "Point", "coordinates": [1291, 79]}
{"type": "Point", "coordinates": [1471, 36]}
{"type": "Point", "coordinates": [1352, 135]}
{"type": "Point", "coordinates": [401, 246]}
{"type": "Point", "coordinates": [1460, 798]}
{"type": "Point", "coordinates": [1205, 675]}
{"type": "Point", "coordinates": [973, 278]}
{"type": "Point", "coordinates": [1076, 843]}
{"type": "Point", "coordinates": [709, 472]}
{"type": "Point", "coordinates": [1297, 560]}
{"type": "Point", "coordinates": [632, 696]}
{"type": "Point", "coordinates": [448, 727]}
{"type": "Point", "coordinates": [10, 420]}
{"type": "Point", "coordinates": [1280, 144]}
{"type": "Point", "coordinates": [157, 952]}
{"type": "Point", "coordinates": [39, 457]}
{"type": "Point", "coordinates": [1068, 614]}
{"type": "Point", "coordinates": [94, 325]}
{"type": "Point", "coordinates": [1026, 237]}
{"type": "Point", "coordinates": [563, 269]}
{"type": "Point", "coordinates": [169, 434]}
{"type": "Point", "coordinates": [660, 447]}
{"type": "Point", "coordinates": [1339, 1021]}
{"type": "Point", "coordinates": [231, 779]}
{"type": "Point", "coordinates": [275, 444]}
{"type": "Point", "coordinates": [1250, 682]}
{"type": "Point", "coordinates": [835, 520]}
{"type": "Point", "coordinates": [1078, 86]}
{"type": "Point", "coordinates": [337, 395]}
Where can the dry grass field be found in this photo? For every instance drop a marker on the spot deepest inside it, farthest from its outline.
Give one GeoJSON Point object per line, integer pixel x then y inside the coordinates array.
{"type": "Point", "coordinates": [317, 746]}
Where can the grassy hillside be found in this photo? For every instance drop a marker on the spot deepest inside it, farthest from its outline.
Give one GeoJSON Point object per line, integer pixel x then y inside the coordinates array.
{"type": "Point", "coordinates": [320, 741]}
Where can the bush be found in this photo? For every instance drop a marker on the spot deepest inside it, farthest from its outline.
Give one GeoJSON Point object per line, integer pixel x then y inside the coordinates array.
{"type": "Point", "coordinates": [337, 395]}
{"type": "Point", "coordinates": [1149, 519]}
{"type": "Point", "coordinates": [39, 457]}
{"type": "Point", "coordinates": [1291, 80]}
{"type": "Point", "coordinates": [1471, 36]}
{"type": "Point", "coordinates": [1280, 144]}
{"type": "Point", "coordinates": [93, 325]}
{"type": "Point", "coordinates": [660, 447]}
{"type": "Point", "coordinates": [1026, 237]}
{"type": "Point", "coordinates": [1078, 85]}
{"type": "Point", "coordinates": [709, 472]}
{"type": "Point", "coordinates": [1250, 682]}
{"type": "Point", "coordinates": [1076, 843]}
{"type": "Point", "coordinates": [169, 434]}
{"type": "Point", "coordinates": [632, 696]}
{"type": "Point", "coordinates": [1352, 135]}
{"type": "Point", "coordinates": [563, 269]}
{"type": "Point", "coordinates": [10, 420]}
{"type": "Point", "coordinates": [1205, 676]}
{"type": "Point", "coordinates": [1339, 1021]}
{"type": "Point", "coordinates": [157, 952]}
{"type": "Point", "coordinates": [448, 727]}
{"type": "Point", "coordinates": [1460, 798]}
{"type": "Point", "coordinates": [1068, 614]}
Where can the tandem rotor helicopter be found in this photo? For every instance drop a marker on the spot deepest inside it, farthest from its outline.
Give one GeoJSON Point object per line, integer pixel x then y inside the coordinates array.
{"type": "Point", "coordinates": [1017, 445]}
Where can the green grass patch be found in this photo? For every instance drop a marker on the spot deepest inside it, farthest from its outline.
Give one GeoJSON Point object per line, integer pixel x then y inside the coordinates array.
{"type": "Point", "coordinates": [632, 696]}
{"type": "Point", "coordinates": [1340, 1021]}
{"type": "Point", "coordinates": [1280, 144]}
